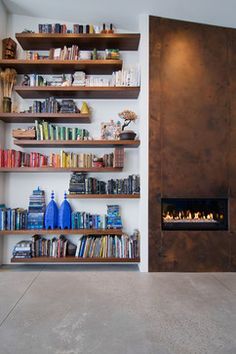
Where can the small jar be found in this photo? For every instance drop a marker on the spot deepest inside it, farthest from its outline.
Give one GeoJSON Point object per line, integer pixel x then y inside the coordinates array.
{"type": "Point", "coordinates": [6, 105]}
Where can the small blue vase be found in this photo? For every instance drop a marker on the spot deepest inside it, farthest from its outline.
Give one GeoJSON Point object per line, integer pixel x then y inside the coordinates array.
{"type": "Point", "coordinates": [64, 218]}
{"type": "Point", "coordinates": [51, 214]}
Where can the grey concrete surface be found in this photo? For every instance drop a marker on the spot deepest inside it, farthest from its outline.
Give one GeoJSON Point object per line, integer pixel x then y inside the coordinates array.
{"type": "Point", "coordinates": [79, 310]}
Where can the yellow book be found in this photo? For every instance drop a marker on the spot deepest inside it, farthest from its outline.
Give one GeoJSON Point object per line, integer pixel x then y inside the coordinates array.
{"type": "Point", "coordinates": [63, 159]}
{"type": "Point", "coordinates": [68, 160]}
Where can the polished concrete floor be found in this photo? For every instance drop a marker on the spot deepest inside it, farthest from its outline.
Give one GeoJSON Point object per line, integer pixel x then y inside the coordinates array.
{"type": "Point", "coordinates": [116, 311]}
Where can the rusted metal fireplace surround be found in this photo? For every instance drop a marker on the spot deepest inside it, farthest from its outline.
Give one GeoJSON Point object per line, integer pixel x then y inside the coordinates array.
{"type": "Point", "coordinates": [192, 147]}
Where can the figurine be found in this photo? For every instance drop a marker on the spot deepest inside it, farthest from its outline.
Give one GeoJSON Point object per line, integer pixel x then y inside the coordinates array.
{"type": "Point", "coordinates": [64, 218]}
{"type": "Point", "coordinates": [51, 214]}
{"type": "Point", "coordinates": [26, 81]}
{"type": "Point", "coordinates": [85, 108]}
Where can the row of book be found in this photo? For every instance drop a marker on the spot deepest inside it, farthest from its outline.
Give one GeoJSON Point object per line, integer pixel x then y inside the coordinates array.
{"type": "Point", "coordinates": [52, 105]}
{"type": "Point", "coordinates": [81, 184]}
{"type": "Point", "coordinates": [82, 220]}
{"type": "Point", "coordinates": [35, 218]}
{"type": "Point", "coordinates": [47, 131]}
{"type": "Point", "coordinates": [55, 247]}
{"type": "Point", "coordinates": [52, 28]}
{"type": "Point", "coordinates": [108, 246]}
{"type": "Point", "coordinates": [42, 247]}
{"type": "Point", "coordinates": [77, 28]}
{"type": "Point", "coordinates": [13, 219]}
{"type": "Point", "coordinates": [124, 77]}
{"type": "Point", "coordinates": [49, 105]}
{"type": "Point", "coordinates": [65, 53]}
{"type": "Point", "coordinates": [15, 159]}
{"type": "Point", "coordinates": [12, 158]}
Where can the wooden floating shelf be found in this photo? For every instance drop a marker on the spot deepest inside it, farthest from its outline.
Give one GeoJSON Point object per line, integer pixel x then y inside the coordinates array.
{"type": "Point", "coordinates": [103, 196]}
{"type": "Point", "coordinates": [45, 41]}
{"type": "Point", "coordinates": [51, 169]}
{"type": "Point", "coordinates": [47, 66]}
{"type": "Point", "coordinates": [50, 117]}
{"type": "Point", "coordinates": [97, 92]}
{"type": "Point", "coordinates": [64, 232]}
{"type": "Point", "coordinates": [77, 143]}
{"type": "Point", "coordinates": [74, 260]}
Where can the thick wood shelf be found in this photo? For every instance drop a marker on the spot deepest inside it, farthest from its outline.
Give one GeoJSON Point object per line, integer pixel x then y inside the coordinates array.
{"type": "Point", "coordinates": [47, 66]}
{"type": "Point", "coordinates": [77, 143]}
{"type": "Point", "coordinates": [103, 196]}
{"type": "Point", "coordinates": [64, 232]}
{"type": "Point", "coordinates": [51, 169]}
{"type": "Point", "coordinates": [96, 92]}
{"type": "Point", "coordinates": [50, 117]}
{"type": "Point", "coordinates": [45, 41]}
{"type": "Point", "coordinates": [74, 260]}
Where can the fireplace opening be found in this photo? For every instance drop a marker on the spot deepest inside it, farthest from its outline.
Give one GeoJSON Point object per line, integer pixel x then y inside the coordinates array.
{"type": "Point", "coordinates": [194, 213]}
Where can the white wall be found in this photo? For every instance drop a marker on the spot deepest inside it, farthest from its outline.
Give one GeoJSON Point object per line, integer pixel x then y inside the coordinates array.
{"type": "Point", "coordinates": [3, 30]}
{"type": "Point", "coordinates": [18, 187]}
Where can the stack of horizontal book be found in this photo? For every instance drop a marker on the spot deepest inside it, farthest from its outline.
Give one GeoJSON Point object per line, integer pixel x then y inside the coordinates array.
{"type": "Point", "coordinates": [22, 249]}
{"type": "Point", "coordinates": [36, 210]}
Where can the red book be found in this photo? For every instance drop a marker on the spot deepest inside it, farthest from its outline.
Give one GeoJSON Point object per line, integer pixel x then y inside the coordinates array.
{"type": "Point", "coordinates": [5, 158]}
{"type": "Point", "coordinates": [18, 159]}
{"type": "Point", "coordinates": [1, 158]}
{"type": "Point", "coordinates": [13, 158]}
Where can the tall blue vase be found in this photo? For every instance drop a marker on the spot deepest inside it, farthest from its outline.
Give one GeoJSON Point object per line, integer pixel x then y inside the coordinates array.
{"type": "Point", "coordinates": [51, 214]}
{"type": "Point", "coordinates": [64, 218]}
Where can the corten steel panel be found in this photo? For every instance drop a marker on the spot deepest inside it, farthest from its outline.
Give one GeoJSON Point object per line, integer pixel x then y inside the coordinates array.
{"type": "Point", "coordinates": [195, 251]}
{"type": "Point", "coordinates": [190, 122]}
{"type": "Point", "coordinates": [232, 146]}
{"type": "Point", "coordinates": [154, 147]}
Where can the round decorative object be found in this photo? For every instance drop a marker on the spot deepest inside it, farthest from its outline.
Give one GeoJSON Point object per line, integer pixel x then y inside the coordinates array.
{"type": "Point", "coordinates": [64, 218]}
{"type": "Point", "coordinates": [127, 135]}
{"type": "Point", "coordinates": [51, 214]}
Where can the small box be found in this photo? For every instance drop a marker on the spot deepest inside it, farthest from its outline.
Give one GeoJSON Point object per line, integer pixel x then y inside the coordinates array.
{"type": "Point", "coordinates": [24, 134]}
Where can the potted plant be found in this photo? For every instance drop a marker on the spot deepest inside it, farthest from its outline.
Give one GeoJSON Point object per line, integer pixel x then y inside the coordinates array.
{"type": "Point", "coordinates": [128, 116]}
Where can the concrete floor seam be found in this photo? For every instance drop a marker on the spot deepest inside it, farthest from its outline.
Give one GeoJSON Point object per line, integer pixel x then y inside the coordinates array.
{"type": "Point", "coordinates": [222, 283]}
{"type": "Point", "coordinates": [17, 302]}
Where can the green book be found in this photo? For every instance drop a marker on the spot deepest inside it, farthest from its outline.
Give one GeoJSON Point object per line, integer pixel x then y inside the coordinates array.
{"type": "Point", "coordinates": [51, 132]}
{"type": "Point", "coordinates": [63, 133]}
{"type": "Point", "coordinates": [73, 133]}
{"type": "Point", "coordinates": [37, 130]}
{"type": "Point", "coordinates": [57, 133]}
{"type": "Point", "coordinates": [45, 130]}
{"type": "Point", "coordinates": [41, 131]}
{"type": "Point", "coordinates": [67, 132]}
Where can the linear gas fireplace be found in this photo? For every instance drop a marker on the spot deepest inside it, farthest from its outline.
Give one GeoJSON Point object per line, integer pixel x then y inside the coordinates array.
{"type": "Point", "coordinates": [194, 213]}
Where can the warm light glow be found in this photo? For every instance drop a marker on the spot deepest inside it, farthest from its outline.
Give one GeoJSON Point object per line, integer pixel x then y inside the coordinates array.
{"type": "Point", "coordinates": [189, 216]}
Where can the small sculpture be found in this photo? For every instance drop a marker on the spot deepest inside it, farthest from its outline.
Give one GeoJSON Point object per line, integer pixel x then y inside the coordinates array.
{"type": "Point", "coordinates": [85, 108]}
{"type": "Point", "coordinates": [64, 218]}
{"type": "Point", "coordinates": [51, 214]}
{"type": "Point", "coordinates": [26, 81]}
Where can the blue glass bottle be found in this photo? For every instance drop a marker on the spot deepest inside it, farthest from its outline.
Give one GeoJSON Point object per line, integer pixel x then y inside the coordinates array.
{"type": "Point", "coordinates": [64, 218]}
{"type": "Point", "coordinates": [51, 214]}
